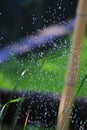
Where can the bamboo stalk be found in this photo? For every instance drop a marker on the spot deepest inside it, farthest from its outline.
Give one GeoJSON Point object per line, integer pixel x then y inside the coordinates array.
{"type": "Point", "coordinates": [68, 92]}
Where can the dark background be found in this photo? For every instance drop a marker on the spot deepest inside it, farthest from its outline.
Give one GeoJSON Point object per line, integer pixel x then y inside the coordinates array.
{"type": "Point", "coordinates": [19, 18]}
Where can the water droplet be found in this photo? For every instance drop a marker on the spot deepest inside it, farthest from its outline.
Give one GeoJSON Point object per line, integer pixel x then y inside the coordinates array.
{"type": "Point", "coordinates": [60, 7]}
{"type": "Point", "coordinates": [23, 73]}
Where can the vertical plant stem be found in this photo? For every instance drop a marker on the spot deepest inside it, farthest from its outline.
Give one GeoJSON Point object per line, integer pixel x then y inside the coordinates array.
{"type": "Point", "coordinates": [68, 92]}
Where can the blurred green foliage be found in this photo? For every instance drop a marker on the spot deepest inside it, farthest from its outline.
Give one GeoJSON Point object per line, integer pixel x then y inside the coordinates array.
{"type": "Point", "coordinates": [44, 73]}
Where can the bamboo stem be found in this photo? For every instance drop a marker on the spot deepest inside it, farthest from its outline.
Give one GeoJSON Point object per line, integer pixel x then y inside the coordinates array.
{"type": "Point", "coordinates": [68, 92]}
